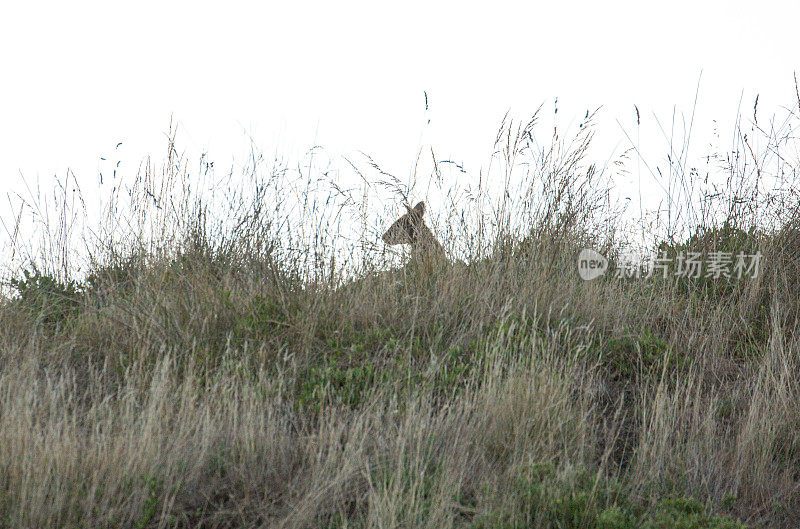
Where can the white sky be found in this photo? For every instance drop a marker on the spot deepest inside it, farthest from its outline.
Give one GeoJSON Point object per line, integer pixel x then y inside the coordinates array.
{"type": "Point", "coordinates": [76, 78]}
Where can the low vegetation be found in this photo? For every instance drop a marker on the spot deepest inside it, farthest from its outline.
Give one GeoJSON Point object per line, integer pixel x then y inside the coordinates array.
{"type": "Point", "coordinates": [250, 376]}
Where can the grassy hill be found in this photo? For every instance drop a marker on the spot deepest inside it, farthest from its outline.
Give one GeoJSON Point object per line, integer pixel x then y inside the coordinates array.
{"type": "Point", "coordinates": [237, 378]}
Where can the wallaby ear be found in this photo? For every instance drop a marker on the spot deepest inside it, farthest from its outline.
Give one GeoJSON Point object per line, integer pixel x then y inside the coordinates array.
{"type": "Point", "coordinates": [419, 209]}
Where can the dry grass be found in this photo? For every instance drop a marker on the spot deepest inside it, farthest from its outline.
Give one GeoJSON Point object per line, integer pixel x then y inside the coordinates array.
{"type": "Point", "coordinates": [255, 371]}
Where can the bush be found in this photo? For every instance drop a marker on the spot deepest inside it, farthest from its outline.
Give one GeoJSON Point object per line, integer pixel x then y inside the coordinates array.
{"type": "Point", "coordinates": [48, 301]}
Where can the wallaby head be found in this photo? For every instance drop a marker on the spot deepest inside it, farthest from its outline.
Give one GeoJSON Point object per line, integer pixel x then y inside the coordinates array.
{"type": "Point", "coordinates": [411, 229]}
{"type": "Point", "coordinates": [406, 229]}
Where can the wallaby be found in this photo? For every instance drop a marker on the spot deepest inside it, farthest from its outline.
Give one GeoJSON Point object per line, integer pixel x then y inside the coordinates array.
{"type": "Point", "coordinates": [411, 229]}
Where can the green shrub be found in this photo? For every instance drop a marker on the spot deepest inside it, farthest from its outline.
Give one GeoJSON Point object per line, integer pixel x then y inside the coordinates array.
{"type": "Point", "coordinates": [624, 356]}
{"type": "Point", "coordinates": [46, 299]}
{"type": "Point", "coordinates": [575, 498]}
{"type": "Point", "coordinates": [725, 239]}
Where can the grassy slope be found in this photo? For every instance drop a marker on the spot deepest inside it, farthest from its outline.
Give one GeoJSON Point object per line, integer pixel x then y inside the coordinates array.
{"type": "Point", "coordinates": [211, 384]}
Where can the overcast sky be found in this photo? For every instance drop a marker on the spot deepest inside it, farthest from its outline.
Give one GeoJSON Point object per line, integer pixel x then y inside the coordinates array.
{"type": "Point", "coordinates": [79, 77]}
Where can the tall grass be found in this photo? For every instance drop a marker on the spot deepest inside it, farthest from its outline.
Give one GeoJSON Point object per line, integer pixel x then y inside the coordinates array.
{"type": "Point", "coordinates": [253, 358]}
